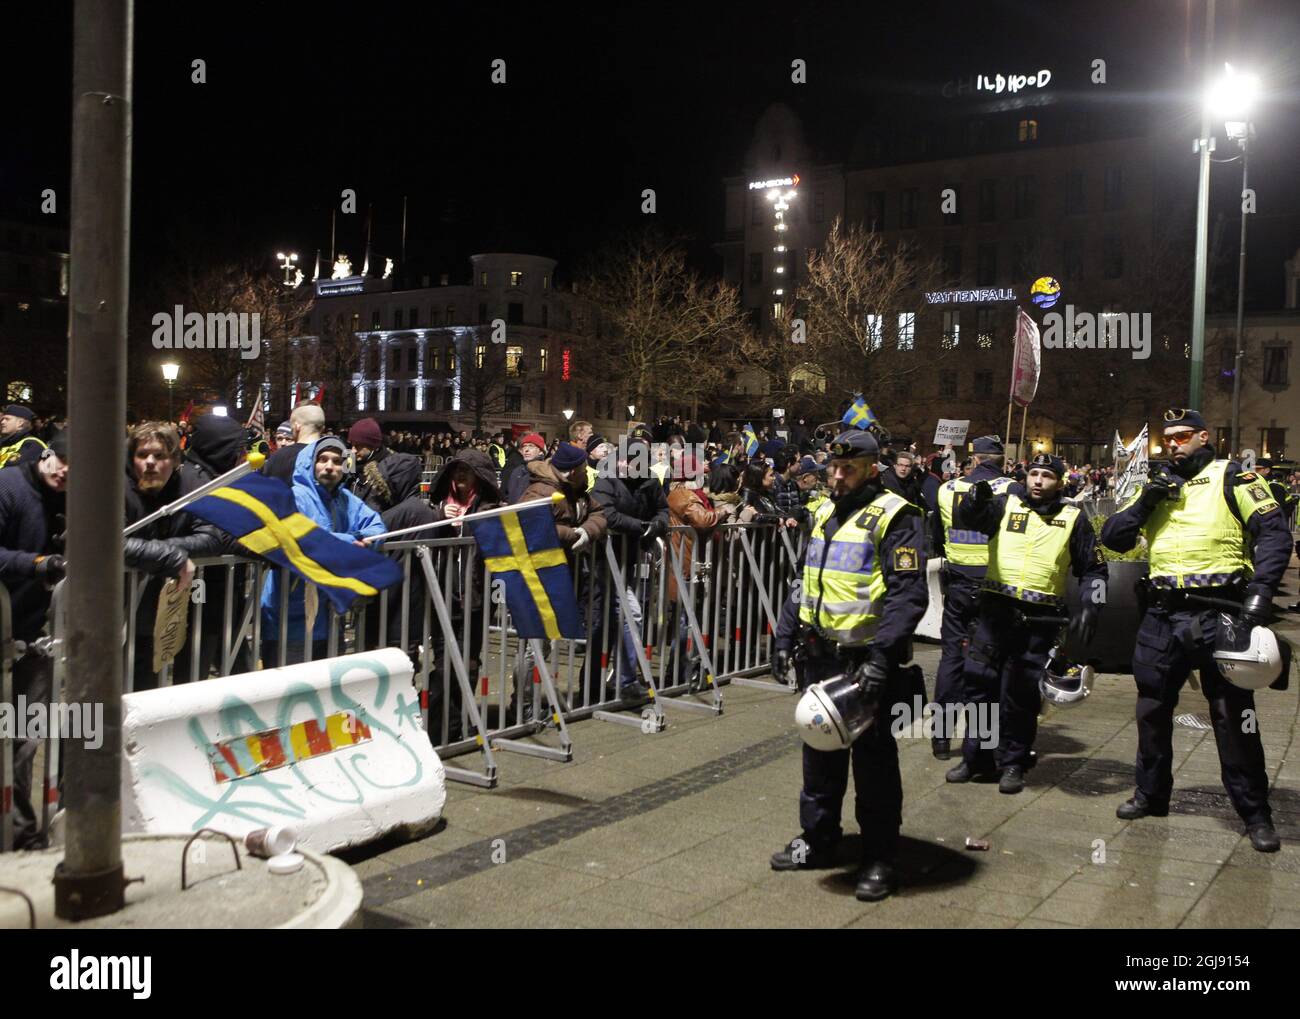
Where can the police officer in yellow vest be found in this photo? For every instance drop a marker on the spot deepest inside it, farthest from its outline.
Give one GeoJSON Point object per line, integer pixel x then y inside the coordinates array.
{"type": "Point", "coordinates": [1212, 531]}
{"type": "Point", "coordinates": [1035, 540]}
{"type": "Point", "coordinates": [863, 592]}
{"type": "Point", "coordinates": [966, 557]}
{"type": "Point", "coordinates": [17, 443]}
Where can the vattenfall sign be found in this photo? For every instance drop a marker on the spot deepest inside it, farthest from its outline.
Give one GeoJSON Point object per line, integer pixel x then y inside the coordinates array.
{"type": "Point", "coordinates": [970, 296]}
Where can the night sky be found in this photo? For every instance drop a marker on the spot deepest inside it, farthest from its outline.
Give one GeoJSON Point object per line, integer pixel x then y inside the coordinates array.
{"type": "Point", "coordinates": [303, 100]}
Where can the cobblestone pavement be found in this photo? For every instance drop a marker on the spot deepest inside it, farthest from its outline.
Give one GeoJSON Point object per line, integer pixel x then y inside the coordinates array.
{"type": "Point", "coordinates": [675, 829]}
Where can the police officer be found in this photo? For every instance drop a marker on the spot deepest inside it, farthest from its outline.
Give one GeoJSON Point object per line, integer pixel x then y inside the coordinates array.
{"type": "Point", "coordinates": [1195, 514]}
{"type": "Point", "coordinates": [863, 592]}
{"type": "Point", "coordinates": [17, 443]}
{"type": "Point", "coordinates": [966, 557]}
{"type": "Point", "coordinates": [1034, 538]}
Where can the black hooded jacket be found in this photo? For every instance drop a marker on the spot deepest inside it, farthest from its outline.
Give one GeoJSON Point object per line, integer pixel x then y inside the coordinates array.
{"type": "Point", "coordinates": [489, 493]}
{"type": "Point", "coordinates": [384, 481]}
{"type": "Point", "coordinates": [216, 446]}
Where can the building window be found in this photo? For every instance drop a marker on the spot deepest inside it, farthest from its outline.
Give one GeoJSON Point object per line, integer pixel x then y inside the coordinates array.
{"type": "Point", "coordinates": [394, 398]}
{"type": "Point", "coordinates": [953, 218]}
{"type": "Point", "coordinates": [778, 309]}
{"type": "Point", "coordinates": [356, 322]}
{"type": "Point", "coordinates": [541, 359]}
{"type": "Point", "coordinates": [948, 383]}
{"type": "Point", "coordinates": [986, 270]}
{"type": "Point", "coordinates": [373, 360]}
{"type": "Point", "coordinates": [756, 268]}
{"type": "Point", "coordinates": [451, 360]}
{"type": "Point", "coordinates": [515, 314]}
{"type": "Point", "coordinates": [1112, 258]}
{"type": "Point", "coordinates": [394, 360]}
{"type": "Point", "coordinates": [432, 354]}
{"type": "Point", "coordinates": [514, 399]}
{"type": "Point", "coordinates": [1272, 442]}
{"type": "Point", "coordinates": [984, 328]}
{"type": "Point", "coordinates": [756, 319]}
{"type": "Point", "coordinates": [480, 352]}
{"type": "Point", "coordinates": [397, 318]}
{"type": "Point", "coordinates": [1113, 193]}
{"type": "Point", "coordinates": [1074, 202]}
{"type": "Point", "coordinates": [546, 316]}
{"type": "Point", "coordinates": [875, 210]}
{"type": "Point", "coordinates": [951, 330]}
{"type": "Point", "coordinates": [755, 211]}
{"type": "Point", "coordinates": [451, 314]}
{"type": "Point", "coordinates": [1024, 198]}
{"type": "Point", "coordinates": [988, 201]}
{"type": "Point", "coordinates": [516, 279]}
{"type": "Point", "coordinates": [1072, 259]}
{"type": "Point", "coordinates": [410, 398]}
{"type": "Point", "coordinates": [983, 384]}
{"type": "Point", "coordinates": [1275, 366]}
{"type": "Point", "coordinates": [875, 331]}
{"type": "Point", "coordinates": [1028, 131]}
{"type": "Point", "coordinates": [819, 204]}
{"type": "Point", "coordinates": [374, 319]}
{"type": "Point", "coordinates": [907, 330]}
{"type": "Point", "coordinates": [541, 400]}
{"type": "Point", "coordinates": [482, 313]}
{"type": "Point", "coordinates": [412, 360]}
{"type": "Point", "coordinates": [908, 202]}
{"type": "Point", "coordinates": [1022, 259]}
{"type": "Point", "coordinates": [513, 356]}
{"type": "Point", "coordinates": [952, 263]}
{"type": "Point", "coordinates": [482, 279]}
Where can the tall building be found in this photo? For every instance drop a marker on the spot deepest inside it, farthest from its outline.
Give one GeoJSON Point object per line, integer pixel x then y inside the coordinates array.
{"type": "Point", "coordinates": [992, 191]}
{"type": "Point", "coordinates": [34, 314]}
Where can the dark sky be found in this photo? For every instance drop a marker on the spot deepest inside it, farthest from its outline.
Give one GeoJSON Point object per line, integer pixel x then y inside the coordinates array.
{"type": "Point", "coordinates": [305, 99]}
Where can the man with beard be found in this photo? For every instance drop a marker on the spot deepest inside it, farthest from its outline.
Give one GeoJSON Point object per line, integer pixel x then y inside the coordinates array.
{"type": "Point", "coordinates": [1034, 539]}
{"type": "Point", "coordinates": [1212, 531]}
{"type": "Point", "coordinates": [153, 481]}
{"type": "Point", "coordinates": [863, 592]}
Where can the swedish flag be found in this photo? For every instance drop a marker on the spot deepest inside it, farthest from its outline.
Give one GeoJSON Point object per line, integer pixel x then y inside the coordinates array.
{"type": "Point", "coordinates": [751, 439]}
{"type": "Point", "coordinates": [260, 513]}
{"type": "Point", "coordinates": [523, 549]}
{"type": "Point", "coordinates": [859, 414]}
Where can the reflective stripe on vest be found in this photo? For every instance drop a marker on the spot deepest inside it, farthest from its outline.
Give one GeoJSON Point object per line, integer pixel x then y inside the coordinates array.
{"type": "Point", "coordinates": [843, 591]}
{"type": "Point", "coordinates": [10, 453]}
{"type": "Point", "coordinates": [1195, 540]}
{"type": "Point", "coordinates": [1029, 556]}
{"type": "Point", "coordinates": [963, 547]}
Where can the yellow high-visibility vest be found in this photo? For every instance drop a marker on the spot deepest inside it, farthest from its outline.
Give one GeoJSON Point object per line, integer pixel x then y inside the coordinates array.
{"type": "Point", "coordinates": [964, 547]}
{"type": "Point", "coordinates": [1029, 556]}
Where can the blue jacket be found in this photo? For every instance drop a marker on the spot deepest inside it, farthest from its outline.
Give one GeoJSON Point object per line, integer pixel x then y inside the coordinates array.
{"type": "Point", "coordinates": [343, 515]}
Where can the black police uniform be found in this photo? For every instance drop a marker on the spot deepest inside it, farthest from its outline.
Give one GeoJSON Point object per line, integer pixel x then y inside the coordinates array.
{"type": "Point", "coordinates": [1176, 636]}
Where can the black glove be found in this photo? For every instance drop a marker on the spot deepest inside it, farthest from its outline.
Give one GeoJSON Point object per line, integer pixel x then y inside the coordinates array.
{"type": "Point", "coordinates": [1256, 610]}
{"type": "Point", "coordinates": [1083, 627]}
{"type": "Point", "coordinates": [50, 569]}
{"type": "Point", "coordinates": [781, 665]}
{"type": "Point", "coordinates": [980, 496]}
{"type": "Point", "coordinates": [656, 528]}
{"type": "Point", "coordinates": [1159, 487]}
{"type": "Point", "coordinates": [871, 677]}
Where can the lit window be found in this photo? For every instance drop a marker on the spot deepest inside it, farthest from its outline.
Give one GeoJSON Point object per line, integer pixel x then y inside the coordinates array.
{"type": "Point", "coordinates": [875, 331]}
{"type": "Point", "coordinates": [482, 279]}
{"type": "Point", "coordinates": [951, 330]}
{"type": "Point", "coordinates": [546, 282]}
{"type": "Point", "coordinates": [777, 309]}
{"type": "Point", "coordinates": [541, 360]}
{"type": "Point", "coordinates": [1028, 130]}
{"type": "Point", "coordinates": [513, 356]}
{"type": "Point", "coordinates": [907, 330]}
{"type": "Point", "coordinates": [516, 279]}
{"type": "Point", "coordinates": [479, 353]}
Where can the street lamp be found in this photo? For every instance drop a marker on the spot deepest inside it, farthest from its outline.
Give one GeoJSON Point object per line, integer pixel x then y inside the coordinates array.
{"type": "Point", "coordinates": [288, 261]}
{"type": "Point", "coordinates": [219, 411]}
{"type": "Point", "coordinates": [171, 371]}
{"type": "Point", "coordinates": [1231, 98]}
{"type": "Point", "coordinates": [568, 414]}
{"type": "Point", "coordinates": [631, 410]}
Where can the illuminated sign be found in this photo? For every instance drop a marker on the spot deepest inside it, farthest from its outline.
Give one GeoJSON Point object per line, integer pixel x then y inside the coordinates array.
{"type": "Point", "coordinates": [996, 83]}
{"type": "Point", "coordinates": [332, 288]}
{"type": "Point", "coordinates": [565, 366]}
{"type": "Point", "coordinates": [1045, 292]}
{"type": "Point", "coordinates": [970, 296]}
{"type": "Point", "coordinates": [775, 182]}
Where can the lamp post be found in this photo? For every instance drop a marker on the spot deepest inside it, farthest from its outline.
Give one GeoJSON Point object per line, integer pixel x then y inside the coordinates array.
{"type": "Point", "coordinates": [171, 371]}
{"type": "Point", "coordinates": [1204, 146]}
{"type": "Point", "coordinates": [1231, 98]}
{"type": "Point", "coordinates": [287, 264]}
{"type": "Point", "coordinates": [631, 411]}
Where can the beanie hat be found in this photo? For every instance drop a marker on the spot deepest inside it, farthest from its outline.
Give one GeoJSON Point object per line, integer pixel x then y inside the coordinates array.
{"type": "Point", "coordinates": [532, 438]}
{"type": "Point", "coordinates": [568, 456]}
{"type": "Point", "coordinates": [367, 433]}
{"type": "Point", "coordinates": [329, 442]}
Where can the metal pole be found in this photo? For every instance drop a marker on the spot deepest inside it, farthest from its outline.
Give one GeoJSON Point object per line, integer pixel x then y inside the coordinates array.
{"type": "Point", "coordinates": [171, 402]}
{"type": "Point", "coordinates": [1241, 312]}
{"type": "Point", "coordinates": [89, 880]}
{"type": "Point", "coordinates": [1196, 380]}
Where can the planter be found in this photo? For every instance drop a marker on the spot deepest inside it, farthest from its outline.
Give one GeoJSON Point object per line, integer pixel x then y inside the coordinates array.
{"type": "Point", "coordinates": [1112, 648]}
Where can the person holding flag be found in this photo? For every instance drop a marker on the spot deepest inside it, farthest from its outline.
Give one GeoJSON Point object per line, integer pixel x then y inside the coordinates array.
{"type": "Point", "coordinates": [859, 414]}
{"type": "Point", "coordinates": [320, 498]}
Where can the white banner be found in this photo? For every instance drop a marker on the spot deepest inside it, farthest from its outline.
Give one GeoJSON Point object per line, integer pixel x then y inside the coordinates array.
{"type": "Point", "coordinates": [1134, 472]}
{"type": "Point", "coordinates": [950, 432]}
{"type": "Point", "coordinates": [1027, 360]}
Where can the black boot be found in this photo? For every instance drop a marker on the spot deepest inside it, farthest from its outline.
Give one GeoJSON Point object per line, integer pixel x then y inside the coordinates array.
{"type": "Point", "coordinates": [876, 880]}
{"type": "Point", "coordinates": [802, 853]}
{"type": "Point", "coordinates": [1264, 838]}
{"type": "Point", "coordinates": [1138, 806]}
{"type": "Point", "coordinates": [1013, 779]}
{"type": "Point", "coordinates": [940, 748]}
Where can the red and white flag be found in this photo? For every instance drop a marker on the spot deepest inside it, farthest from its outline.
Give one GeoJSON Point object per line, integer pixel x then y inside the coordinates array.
{"type": "Point", "coordinates": [1027, 360]}
{"type": "Point", "coordinates": [255, 421]}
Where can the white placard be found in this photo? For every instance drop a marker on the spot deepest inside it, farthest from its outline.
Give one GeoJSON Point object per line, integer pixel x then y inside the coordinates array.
{"type": "Point", "coordinates": [950, 432]}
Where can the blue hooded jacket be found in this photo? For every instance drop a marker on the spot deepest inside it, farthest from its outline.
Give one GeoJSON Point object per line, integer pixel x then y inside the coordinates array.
{"type": "Point", "coordinates": [343, 515]}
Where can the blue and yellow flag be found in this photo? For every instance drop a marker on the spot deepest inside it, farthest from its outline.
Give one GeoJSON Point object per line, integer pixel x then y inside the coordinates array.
{"type": "Point", "coordinates": [260, 513]}
{"type": "Point", "coordinates": [523, 550]}
{"type": "Point", "coordinates": [751, 439]}
{"type": "Point", "coordinates": [859, 414]}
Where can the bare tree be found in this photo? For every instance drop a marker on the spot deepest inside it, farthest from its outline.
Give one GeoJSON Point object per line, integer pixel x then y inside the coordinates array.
{"type": "Point", "coordinates": [333, 360]}
{"type": "Point", "coordinates": [666, 332]}
{"type": "Point", "coordinates": [483, 375]}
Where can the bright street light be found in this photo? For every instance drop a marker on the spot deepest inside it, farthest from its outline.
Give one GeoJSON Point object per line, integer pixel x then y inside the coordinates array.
{"type": "Point", "coordinates": [1232, 97]}
{"type": "Point", "coordinates": [171, 370]}
{"type": "Point", "coordinates": [219, 410]}
{"type": "Point", "coordinates": [568, 414]}
{"type": "Point", "coordinates": [631, 410]}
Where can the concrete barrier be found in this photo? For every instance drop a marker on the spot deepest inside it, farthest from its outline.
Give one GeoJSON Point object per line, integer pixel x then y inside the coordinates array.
{"type": "Point", "coordinates": [335, 749]}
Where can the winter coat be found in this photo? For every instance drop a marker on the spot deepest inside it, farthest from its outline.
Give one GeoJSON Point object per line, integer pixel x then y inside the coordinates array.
{"type": "Point", "coordinates": [759, 508]}
{"type": "Point", "coordinates": [216, 446]}
{"type": "Point", "coordinates": [386, 480]}
{"type": "Point", "coordinates": [690, 508]}
{"type": "Point", "coordinates": [31, 524]}
{"type": "Point", "coordinates": [343, 515]}
{"type": "Point", "coordinates": [576, 511]}
{"type": "Point", "coordinates": [627, 510]}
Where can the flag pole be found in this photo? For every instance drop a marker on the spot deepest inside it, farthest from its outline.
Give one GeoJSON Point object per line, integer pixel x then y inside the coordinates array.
{"type": "Point", "coordinates": [254, 461]}
{"type": "Point", "coordinates": [1008, 430]}
{"type": "Point", "coordinates": [500, 511]}
{"type": "Point", "coordinates": [1020, 446]}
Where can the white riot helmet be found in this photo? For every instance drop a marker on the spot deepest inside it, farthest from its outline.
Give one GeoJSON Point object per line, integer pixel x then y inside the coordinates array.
{"type": "Point", "coordinates": [832, 714]}
{"type": "Point", "coordinates": [1063, 683]}
{"type": "Point", "coordinates": [1250, 659]}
